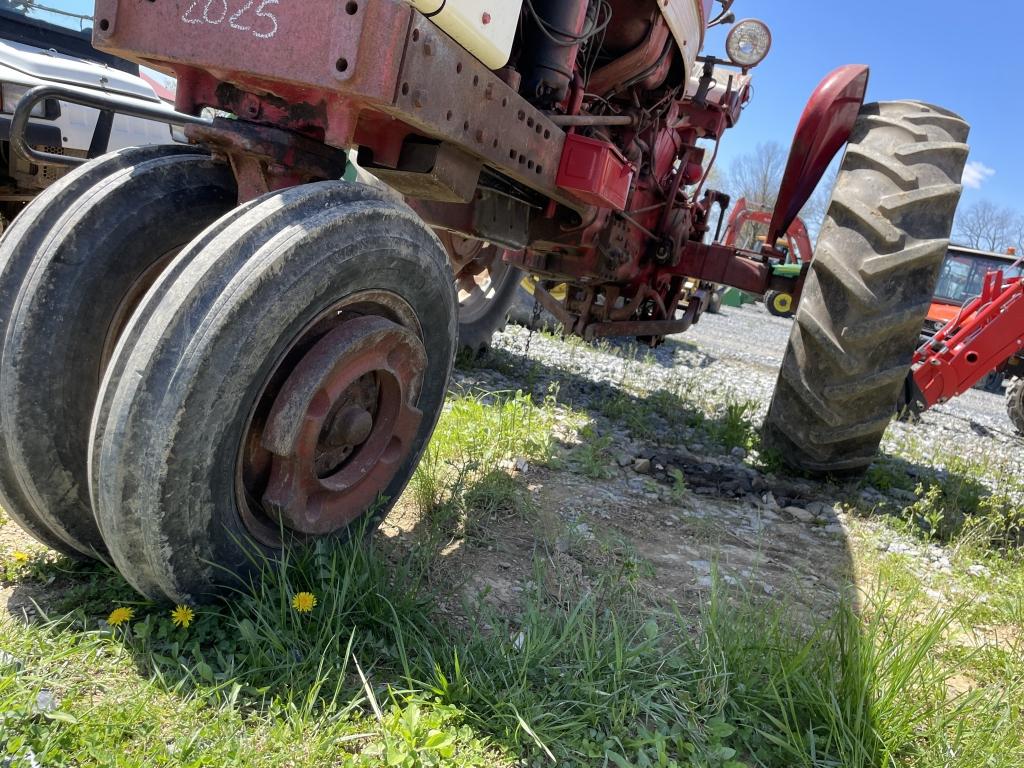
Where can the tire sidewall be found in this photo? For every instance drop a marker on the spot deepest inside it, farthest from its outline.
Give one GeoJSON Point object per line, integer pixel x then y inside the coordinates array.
{"type": "Point", "coordinates": [194, 439]}
{"type": "Point", "coordinates": [81, 275]}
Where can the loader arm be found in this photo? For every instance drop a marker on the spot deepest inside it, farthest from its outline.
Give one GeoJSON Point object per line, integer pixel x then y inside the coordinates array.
{"type": "Point", "coordinates": [988, 333]}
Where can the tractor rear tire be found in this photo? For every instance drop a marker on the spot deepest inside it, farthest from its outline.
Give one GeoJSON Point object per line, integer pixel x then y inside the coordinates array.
{"type": "Point", "coordinates": [61, 274]}
{"type": "Point", "coordinates": [241, 313]}
{"type": "Point", "coordinates": [1015, 404]}
{"type": "Point", "coordinates": [869, 288]}
{"type": "Point", "coordinates": [485, 289]}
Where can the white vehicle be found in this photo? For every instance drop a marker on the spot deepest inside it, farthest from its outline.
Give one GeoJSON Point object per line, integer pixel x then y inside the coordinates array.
{"type": "Point", "coordinates": [39, 48]}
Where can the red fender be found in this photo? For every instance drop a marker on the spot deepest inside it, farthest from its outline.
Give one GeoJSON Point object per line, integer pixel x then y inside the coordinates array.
{"type": "Point", "coordinates": [824, 128]}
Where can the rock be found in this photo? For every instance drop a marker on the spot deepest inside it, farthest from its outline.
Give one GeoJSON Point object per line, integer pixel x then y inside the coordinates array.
{"type": "Point", "coordinates": [978, 571]}
{"type": "Point", "coordinates": [836, 529]}
{"type": "Point", "coordinates": [683, 454]}
{"type": "Point", "coordinates": [11, 661]}
{"type": "Point", "coordinates": [623, 459]}
{"type": "Point", "coordinates": [770, 502]}
{"type": "Point", "coordinates": [642, 466]}
{"type": "Point", "coordinates": [46, 701]}
{"type": "Point", "coordinates": [901, 548]}
{"type": "Point", "coordinates": [522, 466]}
{"type": "Point", "coordinates": [739, 453]}
{"type": "Point", "coordinates": [702, 567]}
{"type": "Point", "coordinates": [797, 513]}
{"type": "Point", "coordinates": [821, 509]}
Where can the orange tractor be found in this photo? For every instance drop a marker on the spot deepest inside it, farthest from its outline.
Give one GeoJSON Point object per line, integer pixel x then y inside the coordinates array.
{"type": "Point", "coordinates": [974, 334]}
{"type": "Point", "coordinates": [221, 347]}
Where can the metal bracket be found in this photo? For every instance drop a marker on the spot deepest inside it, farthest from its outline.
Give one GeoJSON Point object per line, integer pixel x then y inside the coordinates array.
{"type": "Point", "coordinates": [104, 102]}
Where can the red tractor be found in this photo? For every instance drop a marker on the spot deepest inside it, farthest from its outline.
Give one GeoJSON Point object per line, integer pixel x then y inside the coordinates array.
{"type": "Point", "coordinates": [975, 331]}
{"type": "Point", "coordinates": [221, 347]}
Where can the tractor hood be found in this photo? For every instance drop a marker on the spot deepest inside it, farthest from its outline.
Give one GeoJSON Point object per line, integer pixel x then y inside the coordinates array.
{"type": "Point", "coordinates": [28, 65]}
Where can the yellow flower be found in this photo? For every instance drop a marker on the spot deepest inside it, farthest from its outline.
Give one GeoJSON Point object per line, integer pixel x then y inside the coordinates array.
{"type": "Point", "coordinates": [182, 616]}
{"type": "Point", "coordinates": [20, 557]}
{"type": "Point", "coordinates": [304, 602]}
{"type": "Point", "coordinates": [120, 616]}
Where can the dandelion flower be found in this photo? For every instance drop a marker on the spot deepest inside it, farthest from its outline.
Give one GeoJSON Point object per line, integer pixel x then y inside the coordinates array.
{"type": "Point", "coordinates": [304, 602]}
{"type": "Point", "coordinates": [120, 616]}
{"type": "Point", "coordinates": [182, 616]}
{"type": "Point", "coordinates": [20, 557]}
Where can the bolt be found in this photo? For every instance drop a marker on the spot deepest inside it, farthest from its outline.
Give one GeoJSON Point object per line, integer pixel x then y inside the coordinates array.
{"type": "Point", "coordinates": [428, 49]}
{"type": "Point", "coordinates": [417, 98]}
{"type": "Point", "coordinates": [352, 426]}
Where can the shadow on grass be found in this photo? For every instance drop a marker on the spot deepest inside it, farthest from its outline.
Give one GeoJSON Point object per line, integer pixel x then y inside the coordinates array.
{"type": "Point", "coordinates": [950, 502]}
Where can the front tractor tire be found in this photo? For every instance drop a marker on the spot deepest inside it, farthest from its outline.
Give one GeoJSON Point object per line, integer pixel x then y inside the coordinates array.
{"type": "Point", "coordinates": [74, 264]}
{"type": "Point", "coordinates": [869, 288]}
{"type": "Point", "coordinates": [279, 387]}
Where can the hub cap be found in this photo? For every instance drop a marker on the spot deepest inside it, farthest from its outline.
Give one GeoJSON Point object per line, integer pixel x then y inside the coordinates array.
{"type": "Point", "coordinates": [340, 426]}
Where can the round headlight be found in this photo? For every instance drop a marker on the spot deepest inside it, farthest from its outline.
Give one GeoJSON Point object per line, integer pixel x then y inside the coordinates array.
{"type": "Point", "coordinates": [748, 43]}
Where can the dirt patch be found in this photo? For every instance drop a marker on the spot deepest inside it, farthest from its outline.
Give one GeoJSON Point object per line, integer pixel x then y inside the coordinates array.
{"type": "Point", "coordinates": [580, 527]}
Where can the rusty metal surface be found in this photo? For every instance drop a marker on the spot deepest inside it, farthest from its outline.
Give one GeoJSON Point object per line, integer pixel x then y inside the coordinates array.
{"type": "Point", "coordinates": [638, 61]}
{"type": "Point", "coordinates": [440, 172]}
{"type": "Point", "coordinates": [445, 91]}
{"type": "Point", "coordinates": [342, 425]}
{"type": "Point", "coordinates": [266, 158]}
{"type": "Point", "coordinates": [319, 44]}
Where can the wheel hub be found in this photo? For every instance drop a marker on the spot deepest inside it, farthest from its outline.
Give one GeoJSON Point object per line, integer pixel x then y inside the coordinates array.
{"type": "Point", "coordinates": [342, 424]}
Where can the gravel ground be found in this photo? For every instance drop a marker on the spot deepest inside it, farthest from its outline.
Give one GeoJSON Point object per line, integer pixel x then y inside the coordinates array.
{"type": "Point", "coordinates": [739, 352]}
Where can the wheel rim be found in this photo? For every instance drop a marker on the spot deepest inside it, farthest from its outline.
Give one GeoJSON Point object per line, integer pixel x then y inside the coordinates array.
{"type": "Point", "coordinates": [335, 421]}
{"type": "Point", "coordinates": [782, 303]}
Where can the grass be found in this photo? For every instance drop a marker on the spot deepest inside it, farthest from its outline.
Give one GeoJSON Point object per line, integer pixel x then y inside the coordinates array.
{"type": "Point", "coordinates": [397, 665]}
{"type": "Point", "coordinates": [377, 674]}
{"type": "Point", "coordinates": [952, 498]}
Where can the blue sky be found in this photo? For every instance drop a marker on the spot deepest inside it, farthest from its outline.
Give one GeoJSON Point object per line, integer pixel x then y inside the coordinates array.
{"type": "Point", "coordinates": [961, 54]}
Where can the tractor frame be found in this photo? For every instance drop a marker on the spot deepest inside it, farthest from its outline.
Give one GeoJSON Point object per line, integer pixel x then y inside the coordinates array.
{"type": "Point", "coordinates": [324, 77]}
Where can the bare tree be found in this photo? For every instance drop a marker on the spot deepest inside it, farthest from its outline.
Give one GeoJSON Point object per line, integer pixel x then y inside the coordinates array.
{"type": "Point", "coordinates": [756, 175]}
{"type": "Point", "coordinates": [814, 210]}
{"type": "Point", "coordinates": [986, 226]}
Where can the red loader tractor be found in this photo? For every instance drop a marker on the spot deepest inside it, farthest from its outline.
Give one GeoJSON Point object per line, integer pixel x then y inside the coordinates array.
{"type": "Point", "coordinates": [224, 347]}
{"type": "Point", "coordinates": [748, 226]}
{"type": "Point", "coordinates": [975, 330]}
